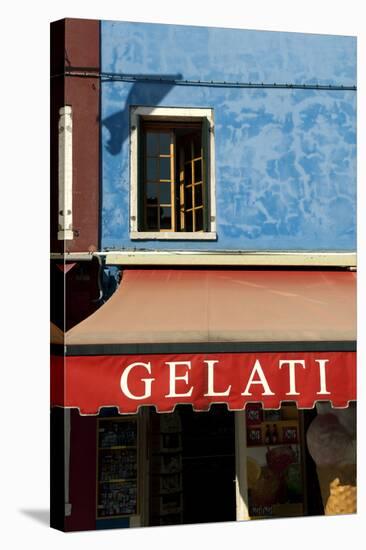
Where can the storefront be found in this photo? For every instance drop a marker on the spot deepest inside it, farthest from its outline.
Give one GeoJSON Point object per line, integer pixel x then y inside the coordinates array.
{"type": "Point", "coordinates": [190, 392]}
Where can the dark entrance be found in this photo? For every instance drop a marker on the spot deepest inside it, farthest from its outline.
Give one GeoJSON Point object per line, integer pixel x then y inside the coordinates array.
{"type": "Point", "coordinates": [208, 460]}
{"type": "Point", "coordinates": [192, 466]}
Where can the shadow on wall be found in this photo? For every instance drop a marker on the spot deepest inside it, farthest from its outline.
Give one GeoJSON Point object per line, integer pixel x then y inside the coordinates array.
{"type": "Point", "coordinates": [150, 90]}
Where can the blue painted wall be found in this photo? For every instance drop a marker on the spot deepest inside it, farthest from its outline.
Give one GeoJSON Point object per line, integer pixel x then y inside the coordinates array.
{"type": "Point", "coordinates": [285, 159]}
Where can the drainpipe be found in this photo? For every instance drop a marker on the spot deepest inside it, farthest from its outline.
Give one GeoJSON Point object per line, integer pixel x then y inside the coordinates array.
{"type": "Point", "coordinates": [65, 231]}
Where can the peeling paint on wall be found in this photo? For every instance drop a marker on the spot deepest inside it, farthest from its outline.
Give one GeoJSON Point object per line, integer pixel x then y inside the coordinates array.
{"type": "Point", "coordinates": [285, 159]}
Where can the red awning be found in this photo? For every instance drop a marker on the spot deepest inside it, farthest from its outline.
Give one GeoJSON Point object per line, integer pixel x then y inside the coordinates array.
{"type": "Point", "coordinates": [219, 336]}
{"type": "Point", "coordinates": [174, 306]}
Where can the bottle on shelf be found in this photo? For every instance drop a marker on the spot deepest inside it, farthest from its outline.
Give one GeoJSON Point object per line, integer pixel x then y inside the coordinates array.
{"type": "Point", "coordinates": [274, 434]}
{"type": "Point", "coordinates": [267, 435]}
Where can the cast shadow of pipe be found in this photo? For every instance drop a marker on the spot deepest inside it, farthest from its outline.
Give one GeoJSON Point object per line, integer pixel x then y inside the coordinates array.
{"type": "Point", "coordinates": [141, 93]}
{"type": "Point", "coordinates": [40, 515]}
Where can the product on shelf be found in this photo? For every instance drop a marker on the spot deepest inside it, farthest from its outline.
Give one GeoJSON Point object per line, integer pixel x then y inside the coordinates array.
{"type": "Point", "coordinates": [117, 468]}
{"type": "Point", "coordinates": [331, 443]}
{"type": "Point", "coordinates": [279, 458]}
{"type": "Point", "coordinates": [265, 491]}
{"type": "Point", "coordinates": [274, 472]}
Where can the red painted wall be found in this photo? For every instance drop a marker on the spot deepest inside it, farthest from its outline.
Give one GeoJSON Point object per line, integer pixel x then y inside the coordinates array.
{"type": "Point", "coordinates": [75, 45]}
{"type": "Point", "coordinates": [82, 481]}
{"type": "Point", "coordinates": [75, 294]}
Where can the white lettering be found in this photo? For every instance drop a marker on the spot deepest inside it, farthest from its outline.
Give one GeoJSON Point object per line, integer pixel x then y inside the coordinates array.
{"type": "Point", "coordinates": [173, 378]}
{"type": "Point", "coordinates": [210, 381]}
{"type": "Point", "coordinates": [291, 365]}
{"type": "Point", "coordinates": [257, 369]}
{"type": "Point", "coordinates": [147, 381]}
{"type": "Point", "coordinates": [323, 384]}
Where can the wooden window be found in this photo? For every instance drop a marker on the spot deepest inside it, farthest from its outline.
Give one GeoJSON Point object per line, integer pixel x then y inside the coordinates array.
{"type": "Point", "coordinates": [191, 183]}
{"type": "Point", "coordinates": [173, 192]}
{"type": "Point", "coordinates": [172, 160]}
{"type": "Point", "coordinates": [158, 186]}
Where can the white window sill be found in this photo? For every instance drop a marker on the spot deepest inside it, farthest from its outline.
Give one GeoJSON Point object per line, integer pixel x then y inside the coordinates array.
{"type": "Point", "coordinates": [171, 236]}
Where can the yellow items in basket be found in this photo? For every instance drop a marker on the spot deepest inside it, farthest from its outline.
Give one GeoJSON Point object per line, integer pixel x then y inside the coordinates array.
{"type": "Point", "coordinates": [342, 499]}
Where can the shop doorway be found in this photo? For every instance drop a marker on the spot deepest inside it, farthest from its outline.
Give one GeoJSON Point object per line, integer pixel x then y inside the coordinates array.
{"type": "Point", "coordinates": [193, 471]}
{"type": "Point", "coordinates": [208, 444]}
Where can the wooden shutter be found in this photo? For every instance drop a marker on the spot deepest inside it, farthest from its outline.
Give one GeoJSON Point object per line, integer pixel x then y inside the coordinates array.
{"type": "Point", "coordinates": [206, 129]}
{"type": "Point", "coordinates": [140, 175]}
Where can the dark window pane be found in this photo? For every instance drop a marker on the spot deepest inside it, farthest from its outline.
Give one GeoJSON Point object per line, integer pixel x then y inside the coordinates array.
{"type": "Point", "coordinates": [151, 143]}
{"type": "Point", "coordinates": [165, 218]}
{"type": "Point", "coordinates": [198, 195]}
{"type": "Point", "coordinates": [164, 148]}
{"type": "Point", "coordinates": [199, 219]}
{"type": "Point", "coordinates": [165, 193]}
{"type": "Point", "coordinates": [152, 218]}
{"type": "Point", "coordinates": [152, 193]}
{"type": "Point", "coordinates": [164, 172]}
{"type": "Point", "coordinates": [197, 145]}
{"type": "Point", "coordinates": [151, 169]}
{"type": "Point", "coordinates": [189, 223]}
{"type": "Point", "coordinates": [188, 197]}
{"type": "Point", "coordinates": [197, 170]}
{"type": "Point", "coordinates": [188, 173]}
{"type": "Point", "coordinates": [187, 151]}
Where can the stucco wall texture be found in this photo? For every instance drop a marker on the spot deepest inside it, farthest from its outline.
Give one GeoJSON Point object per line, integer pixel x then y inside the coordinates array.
{"type": "Point", "coordinates": [285, 158]}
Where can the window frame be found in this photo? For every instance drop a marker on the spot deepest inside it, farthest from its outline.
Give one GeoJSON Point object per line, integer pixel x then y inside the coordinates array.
{"type": "Point", "coordinates": [170, 114]}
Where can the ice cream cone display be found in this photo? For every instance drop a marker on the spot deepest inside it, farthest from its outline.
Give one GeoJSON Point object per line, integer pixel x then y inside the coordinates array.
{"type": "Point", "coordinates": [331, 479]}
{"type": "Point", "coordinates": [332, 446]}
{"type": "Point", "coordinates": [342, 499]}
{"type": "Point", "coordinates": [328, 441]}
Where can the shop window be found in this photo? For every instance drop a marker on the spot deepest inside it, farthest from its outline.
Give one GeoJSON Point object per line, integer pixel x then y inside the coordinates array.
{"type": "Point", "coordinates": [172, 174]}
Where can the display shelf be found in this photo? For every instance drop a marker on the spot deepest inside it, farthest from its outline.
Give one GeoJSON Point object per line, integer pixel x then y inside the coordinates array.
{"type": "Point", "coordinates": [264, 433]}
{"type": "Point", "coordinates": [117, 471]}
{"type": "Point", "coordinates": [164, 493]}
{"type": "Point", "coordinates": [115, 517]}
{"type": "Point", "coordinates": [274, 462]}
{"type": "Point", "coordinates": [168, 451]}
{"type": "Point", "coordinates": [117, 448]}
{"type": "Point", "coordinates": [269, 445]}
{"type": "Point", "coordinates": [285, 510]}
{"type": "Point", "coordinates": [172, 511]}
{"type": "Point", "coordinates": [166, 470]}
{"type": "Point", "coordinates": [123, 480]}
{"type": "Point", "coordinates": [197, 457]}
